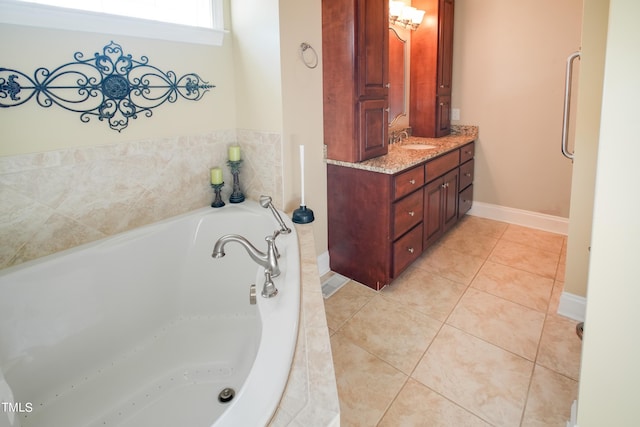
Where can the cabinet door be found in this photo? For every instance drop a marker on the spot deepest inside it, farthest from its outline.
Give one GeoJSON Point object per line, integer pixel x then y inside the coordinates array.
{"type": "Point", "coordinates": [372, 129]}
{"type": "Point", "coordinates": [445, 47]}
{"type": "Point", "coordinates": [450, 199]}
{"type": "Point", "coordinates": [373, 48]}
{"type": "Point", "coordinates": [443, 117]}
{"type": "Point", "coordinates": [432, 212]}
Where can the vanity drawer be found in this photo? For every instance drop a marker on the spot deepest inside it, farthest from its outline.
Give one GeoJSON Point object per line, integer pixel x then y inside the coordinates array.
{"type": "Point", "coordinates": [466, 174]}
{"type": "Point", "coordinates": [408, 181]}
{"type": "Point", "coordinates": [465, 200]}
{"type": "Point", "coordinates": [441, 165]}
{"type": "Point", "coordinates": [406, 250]}
{"type": "Point", "coordinates": [407, 213]}
{"type": "Point", "coordinates": [467, 152]}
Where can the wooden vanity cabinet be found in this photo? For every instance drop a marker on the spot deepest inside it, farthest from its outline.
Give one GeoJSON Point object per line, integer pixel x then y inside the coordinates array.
{"type": "Point", "coordinates": [379, 223]}
{"type": "Point", "coordinates": [431, 70]}
{"type": "Point", "coordinates": [355, 50]}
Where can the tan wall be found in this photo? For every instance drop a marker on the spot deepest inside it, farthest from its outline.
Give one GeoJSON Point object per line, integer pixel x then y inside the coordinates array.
{"type": "Point", "coordinates": [508, 78]}
{"type": "Point", "coordinates": [301, 21]}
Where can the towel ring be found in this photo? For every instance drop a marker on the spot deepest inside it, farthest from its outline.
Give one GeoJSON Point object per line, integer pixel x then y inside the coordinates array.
{"type": "Point", "coordinates": [310, 63]}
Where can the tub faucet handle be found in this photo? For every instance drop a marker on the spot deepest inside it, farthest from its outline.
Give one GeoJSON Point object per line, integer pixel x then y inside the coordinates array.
{"type": "Point", "coordinates": [269, 289]}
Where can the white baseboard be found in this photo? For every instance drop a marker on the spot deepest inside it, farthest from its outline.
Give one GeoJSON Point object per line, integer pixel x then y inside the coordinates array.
{"type": "Point", "coordinates": [323, 263]}
{"type": "Point", "coordinates": [553, 224]}
{"type": "Point", "coordinates": [572, 306]}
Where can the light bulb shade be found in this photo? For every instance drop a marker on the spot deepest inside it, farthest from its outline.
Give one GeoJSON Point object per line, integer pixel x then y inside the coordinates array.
{"type": "Point", "coordinates": [395, 8]}
{"type": "Point", "coordinates": [417, 16]}
{"type": "Point", "coordinates": [407, 13]}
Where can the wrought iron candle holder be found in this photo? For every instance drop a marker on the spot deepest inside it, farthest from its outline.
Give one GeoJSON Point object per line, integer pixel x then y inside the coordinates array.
{"type": "Point", "coordinates": [236, 195]}
{"type": "Point", "coordinates": [217, 201]}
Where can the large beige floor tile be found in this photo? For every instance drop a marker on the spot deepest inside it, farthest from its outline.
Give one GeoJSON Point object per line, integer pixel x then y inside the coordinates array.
{"type": "Point", "coordinates": [477, 226]}
{"type": "Point", "coordinates": [560, 347]}
{"type": "Point", "coordinates": [535, 238]}
{"type": "Point", "coordinates": [366, 384]}
{"type": "Point", "coordinates": [450, 263]}
{"type": "Point", "coordinates": [418, 406]}
{"type": "Point", "coordinates": [425, 292]}
{"type": "Point", "coordinates": [550, 399]}
{"type": "Point", "coordinates": [345, 303]}
{"type": "Point", "coordinates": [485, 379]}
{"type": "Point", "coordinates": [519, 286]}
{"type": "Point", "coordinates": [506, 324]}
{"type": "Point", "coordinates": [526, 258]}
{"type": "Point", "coordinates": [478, 245]}
{"type": "Point", "coordinates": [392, 332]}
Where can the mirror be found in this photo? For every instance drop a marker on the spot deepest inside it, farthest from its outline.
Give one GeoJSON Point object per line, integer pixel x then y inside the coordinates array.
{"type": "Point", "coordinates": [397, 70]}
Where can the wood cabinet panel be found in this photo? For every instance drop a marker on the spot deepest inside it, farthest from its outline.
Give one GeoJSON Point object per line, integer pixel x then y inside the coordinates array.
{"type": "Point", "coordinates": [373, 48]}
{"type": "Point", "coordinates": [433, 223]}
{"type": "Point", "coordinates": [406, 250]}
{"type": "Point", "coordinates": [450, 199]}
{"type": "Point", "coordinates": [467, 152]}
{"type": "Point", "coordinates": [443, 115]}
{"type": "Point", "coordinates": [466, 174]}
{"type": "Point", "coordinates": [441, 165]}
{"type": "Point", "coordinates": [407, 213]}
{"type": "Point", "coordinates": [408, 181]}
{"type": "Point", "coordinates": [373, 128]}
{"type": "Point", "coordinates": [465, 200]}
{"type": "Point", "coordinates": [355, 72]}
{"type": "Point", "coordinates": [431, 69]}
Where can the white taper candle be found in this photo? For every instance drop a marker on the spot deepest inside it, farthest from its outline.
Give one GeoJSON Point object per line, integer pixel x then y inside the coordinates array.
{"type": "Point", "coordinates": [302, 175]}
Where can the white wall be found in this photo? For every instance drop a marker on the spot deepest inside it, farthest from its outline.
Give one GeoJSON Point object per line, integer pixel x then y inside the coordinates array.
{"type": "Point", "coordinates": [610, 374]}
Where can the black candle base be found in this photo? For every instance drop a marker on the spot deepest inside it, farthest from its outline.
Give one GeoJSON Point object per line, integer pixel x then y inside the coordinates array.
{"type": "Point", "coordinates": [302, 215]}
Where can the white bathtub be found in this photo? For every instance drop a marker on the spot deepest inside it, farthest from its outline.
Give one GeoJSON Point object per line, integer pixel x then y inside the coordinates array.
{"type": "Point", "coordinates": [146, 328]}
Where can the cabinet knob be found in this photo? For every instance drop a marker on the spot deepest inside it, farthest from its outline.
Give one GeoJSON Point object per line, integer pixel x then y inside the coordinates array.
{"type": "Point", "coordinates": [388, 85]}
{"type": "Point", "coordinates": [411, 250]}
{"type": "Point", "coordinates": [412, 181]}
{"type": "Point", "coordinates": [445, 185]}
{"type": "Point", "coordinates": [387, 109]}
{"type": "Point", "coordinates": [468, 175]}
{"type": "Point", "coordinates": [411, 213]}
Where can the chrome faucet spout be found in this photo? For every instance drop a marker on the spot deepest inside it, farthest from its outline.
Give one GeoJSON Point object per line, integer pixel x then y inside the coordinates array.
{"type": "Point", "coordinates": [268, 260]}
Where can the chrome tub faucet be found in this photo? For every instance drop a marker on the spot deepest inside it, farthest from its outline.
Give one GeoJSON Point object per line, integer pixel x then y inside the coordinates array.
{"type": "Point", "coordinates": [268, 260]}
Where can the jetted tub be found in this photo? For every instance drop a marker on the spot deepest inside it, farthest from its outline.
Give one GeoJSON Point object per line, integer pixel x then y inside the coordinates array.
{"type": "Point", "coordinates": [147, 329]}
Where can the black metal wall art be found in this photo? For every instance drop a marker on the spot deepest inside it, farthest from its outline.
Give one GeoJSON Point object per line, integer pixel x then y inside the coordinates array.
{"type": "Point", "coordinates": [111, 86]}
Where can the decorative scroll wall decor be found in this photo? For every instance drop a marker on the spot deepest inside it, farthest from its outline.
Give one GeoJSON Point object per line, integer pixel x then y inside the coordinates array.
{"type": "Point", "coordinates": [111, 86]}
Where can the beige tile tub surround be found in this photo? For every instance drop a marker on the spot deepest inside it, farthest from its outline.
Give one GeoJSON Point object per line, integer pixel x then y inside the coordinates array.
{"type": "Point", "coordinates": [311, 397]}
{"type": "Point", "coordinates": [57, 200]}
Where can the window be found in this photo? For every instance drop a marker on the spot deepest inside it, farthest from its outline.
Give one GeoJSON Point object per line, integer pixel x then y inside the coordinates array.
{"type": "Point", "coordinates": [191, 21]}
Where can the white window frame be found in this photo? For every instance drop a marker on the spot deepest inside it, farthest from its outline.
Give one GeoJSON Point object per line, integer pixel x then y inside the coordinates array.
{"type": "Point", "coordinates": [44, 16]}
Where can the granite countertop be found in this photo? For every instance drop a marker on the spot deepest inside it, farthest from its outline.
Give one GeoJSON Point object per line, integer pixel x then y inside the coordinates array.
{"type": "Point", "coordinates": [400, 157]}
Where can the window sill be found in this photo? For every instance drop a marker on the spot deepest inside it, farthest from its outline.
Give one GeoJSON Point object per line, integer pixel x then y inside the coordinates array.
{"type": "Point", "coordinates": [37, 15]}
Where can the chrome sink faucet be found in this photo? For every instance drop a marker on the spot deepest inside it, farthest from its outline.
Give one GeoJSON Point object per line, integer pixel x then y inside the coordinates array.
{"type": "Point", "coordinates": [268, 260]}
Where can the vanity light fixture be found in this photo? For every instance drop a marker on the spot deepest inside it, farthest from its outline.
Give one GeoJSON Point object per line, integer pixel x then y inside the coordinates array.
{"type": "Point", "coordinates": [405, 16]}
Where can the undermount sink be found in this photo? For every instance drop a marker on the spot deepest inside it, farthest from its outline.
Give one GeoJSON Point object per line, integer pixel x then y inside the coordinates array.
{"type": "Point", "coordinates": [418, 146]}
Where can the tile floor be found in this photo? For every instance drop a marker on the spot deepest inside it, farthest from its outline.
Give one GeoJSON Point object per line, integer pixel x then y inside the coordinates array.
{"type": "Point", "coordinates": [467, 336]}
